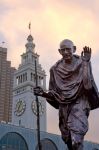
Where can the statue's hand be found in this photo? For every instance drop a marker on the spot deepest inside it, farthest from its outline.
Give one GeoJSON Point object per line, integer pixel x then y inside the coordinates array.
{"type": "Point", "coordinates": [38, 91]}
{"type": "Point", "coordinates": [86, 54]}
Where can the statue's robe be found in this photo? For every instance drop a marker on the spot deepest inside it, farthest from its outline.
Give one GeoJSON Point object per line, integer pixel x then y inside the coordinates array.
{"type": "Point", "coordinates": [74, 93]}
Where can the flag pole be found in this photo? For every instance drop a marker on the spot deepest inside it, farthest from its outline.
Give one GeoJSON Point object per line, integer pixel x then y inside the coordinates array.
{"type": "Point", "coordinates": [37, 103]}
{"type": "Point", "coordinates": [30, 27]}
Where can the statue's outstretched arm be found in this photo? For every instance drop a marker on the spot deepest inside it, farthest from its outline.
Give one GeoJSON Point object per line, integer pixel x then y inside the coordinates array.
{"type": "Point", "coordinates": [40, 92]}
{"type": "Point", "coordinates": [86, 56]}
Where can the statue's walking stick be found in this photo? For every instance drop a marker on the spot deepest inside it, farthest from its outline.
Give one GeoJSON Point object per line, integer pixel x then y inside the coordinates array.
{"type": "Point", "coordinates": [37, 103]}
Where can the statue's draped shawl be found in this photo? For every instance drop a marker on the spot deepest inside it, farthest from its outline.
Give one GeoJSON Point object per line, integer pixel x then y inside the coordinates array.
{"type": "Point", "coordinates": [66, 83]}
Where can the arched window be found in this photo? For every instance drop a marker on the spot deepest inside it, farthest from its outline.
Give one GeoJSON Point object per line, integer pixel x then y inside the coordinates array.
{"type": "Point", "coordinates": [47, 144]}
{"type": "Point", "coordinates": [13, 141]}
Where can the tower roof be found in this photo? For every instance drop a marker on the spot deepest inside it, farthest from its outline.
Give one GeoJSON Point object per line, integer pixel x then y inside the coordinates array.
{"type": "Point", "coordinates": [30, 38]}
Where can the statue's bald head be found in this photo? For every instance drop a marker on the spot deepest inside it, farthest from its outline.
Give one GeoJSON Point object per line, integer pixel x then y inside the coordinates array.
{"type": "Point", "coordinates": [67, 44]}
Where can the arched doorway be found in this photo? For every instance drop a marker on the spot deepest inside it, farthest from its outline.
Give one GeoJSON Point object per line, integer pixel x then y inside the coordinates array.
{"type": "Point", "coordinates": [47, 144]}
{"type": "Point", "coordinates": [13, 141]}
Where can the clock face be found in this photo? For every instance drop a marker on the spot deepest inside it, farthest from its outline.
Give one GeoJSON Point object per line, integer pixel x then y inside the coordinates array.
{"type": "Point", "coordinates": [20, 107]}
{"type": "Point", "coordinates": [34, 108]}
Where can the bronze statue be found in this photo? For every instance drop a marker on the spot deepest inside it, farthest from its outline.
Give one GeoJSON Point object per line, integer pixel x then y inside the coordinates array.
{"type": "Point", "coordinates": [73, 91]}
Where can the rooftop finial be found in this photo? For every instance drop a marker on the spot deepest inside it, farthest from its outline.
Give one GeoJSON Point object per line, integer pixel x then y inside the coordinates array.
{"type": "Point", "coordinates": [30, 27]}
{"type": "Point", "coordinates": [3, 43]}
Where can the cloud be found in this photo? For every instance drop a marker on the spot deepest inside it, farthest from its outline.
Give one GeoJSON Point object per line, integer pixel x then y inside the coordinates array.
{"type": "Point", "coordinates": [52, 21]}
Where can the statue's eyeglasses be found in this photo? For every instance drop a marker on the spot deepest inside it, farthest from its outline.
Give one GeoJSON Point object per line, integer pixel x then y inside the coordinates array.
{"type": "Point", "coordinates": [65, 49]}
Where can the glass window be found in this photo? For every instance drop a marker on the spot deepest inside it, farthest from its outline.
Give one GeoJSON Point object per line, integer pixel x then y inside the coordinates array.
{"type": "Point", "coordinates": [47, 144]}
{"type": "Point", "coordinates": [13, 141]}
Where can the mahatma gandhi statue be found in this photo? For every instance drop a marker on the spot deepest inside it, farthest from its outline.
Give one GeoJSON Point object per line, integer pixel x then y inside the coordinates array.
{"type": "Point", "coordinates": [73, 91]}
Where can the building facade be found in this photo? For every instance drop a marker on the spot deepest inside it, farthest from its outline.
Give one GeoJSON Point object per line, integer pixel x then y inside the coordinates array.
{"type": "Point", "coordinates": [6, 86]}
{"type": "Point", "coordinates": [24, 110]}
{"type": "Point", "coordinates": [19, 138]}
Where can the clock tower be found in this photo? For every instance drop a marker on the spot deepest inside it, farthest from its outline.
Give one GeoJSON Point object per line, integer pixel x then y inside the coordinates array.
{"type": "Point", "coordinates": [24, 110]}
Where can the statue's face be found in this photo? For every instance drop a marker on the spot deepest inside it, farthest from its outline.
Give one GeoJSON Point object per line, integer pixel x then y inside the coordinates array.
{"type": "Point", "coordinates": [66, 52]}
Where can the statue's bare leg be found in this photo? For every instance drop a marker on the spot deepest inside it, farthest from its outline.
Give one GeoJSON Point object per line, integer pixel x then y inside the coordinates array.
{"type": "Point", "coordinates": [69, 144]}
{"type": "Point", "coordinates": [77, 146]}
{"type": "Point", "coordinates": [74, 145]}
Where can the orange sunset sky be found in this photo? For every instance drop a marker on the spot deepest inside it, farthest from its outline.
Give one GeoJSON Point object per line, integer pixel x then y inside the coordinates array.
{"type": "Point", "coordinates": [51, 22]}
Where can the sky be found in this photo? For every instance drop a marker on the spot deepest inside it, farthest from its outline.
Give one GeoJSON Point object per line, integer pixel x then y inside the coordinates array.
{"type": "Point", "coordinates": [51, 22]}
